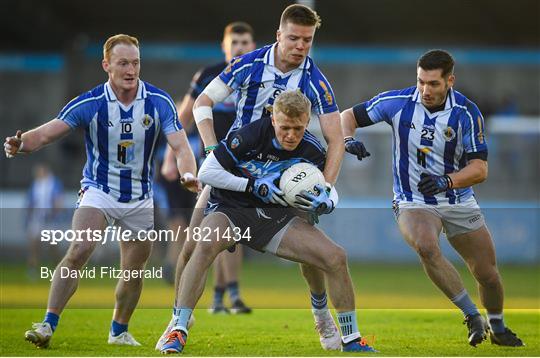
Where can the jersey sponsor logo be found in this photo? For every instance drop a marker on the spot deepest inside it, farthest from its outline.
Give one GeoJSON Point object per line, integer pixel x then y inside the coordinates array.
{"type": "Point", "coordinates": [147, 121]}
{"type": "Point", "coordinates": [449, 134]}
{"type": "Point", "coordinates": [422, 155]}
{"type": "Point", "coordinates": [126, 152]}
{"type": "Point", "coordinates": [327, 96]}
{"type": "Point", "coordinates": [126, 120]}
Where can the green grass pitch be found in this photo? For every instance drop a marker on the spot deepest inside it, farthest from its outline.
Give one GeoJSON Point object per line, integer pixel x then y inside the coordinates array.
{"type": "Point", "coordinates": [397, 307]}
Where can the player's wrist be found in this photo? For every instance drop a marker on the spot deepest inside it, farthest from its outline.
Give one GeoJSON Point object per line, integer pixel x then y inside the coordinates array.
{"type": "Point", "coordinates": [449, 182]}
{"type": "Point", "coordinates": [209, 149]}
{"type": "Point", "coordinates": [250, 185]}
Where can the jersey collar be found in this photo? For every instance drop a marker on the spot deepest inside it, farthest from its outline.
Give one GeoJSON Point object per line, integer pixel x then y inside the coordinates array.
{"type": "Point", "coordinates": [269, 59]}
{"type": "Point", "coordinates": [111, 96]}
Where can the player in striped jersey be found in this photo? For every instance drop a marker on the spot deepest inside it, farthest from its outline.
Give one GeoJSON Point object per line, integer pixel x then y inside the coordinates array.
{"type": "Point", "coordinates": [258, 78]}
{"type": "Point", "coordinates": [122, 120]}
{"type": "Point", "coordinates": [238, 39]}
{"type": "Point", "coordinates": [439, 152]}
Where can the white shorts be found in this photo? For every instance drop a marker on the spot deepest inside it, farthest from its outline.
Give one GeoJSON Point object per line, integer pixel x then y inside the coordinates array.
{"type": "Point", "coordinates": [135, 216]}
{"type": "Point", "coordinates": [456, 219]}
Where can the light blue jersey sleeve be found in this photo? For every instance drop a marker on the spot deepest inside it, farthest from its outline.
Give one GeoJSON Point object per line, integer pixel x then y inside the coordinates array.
{"type": "Point", "coordinates": [80, 110]}
{"type": "Point", "coordinates": [383, 107]}
{"type": "Point", "coordinates": [237, 71]}
{"type": "Point", "coordinates": [472, 122]}
{"type": "Point", "coordinates": [320, 93]}
{"type": "Point", "coordinates": [167, 112]}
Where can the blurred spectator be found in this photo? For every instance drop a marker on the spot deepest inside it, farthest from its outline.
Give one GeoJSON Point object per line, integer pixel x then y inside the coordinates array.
{"type": "Point", "coordinates": [44, 202]}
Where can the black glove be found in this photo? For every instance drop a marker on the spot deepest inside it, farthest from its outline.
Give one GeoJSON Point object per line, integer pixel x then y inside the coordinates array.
{"type": "Point", "coordinates": [430, 184]}
{"type": "Point", "coordinates": [356, 147]}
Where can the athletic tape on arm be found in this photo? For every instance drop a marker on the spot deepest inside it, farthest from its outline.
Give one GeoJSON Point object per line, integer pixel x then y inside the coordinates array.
{"type": "Point", "coordinates": [217, 91]}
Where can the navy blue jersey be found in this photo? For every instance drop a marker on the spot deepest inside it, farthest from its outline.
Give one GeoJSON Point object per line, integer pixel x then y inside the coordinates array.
{"type": "Point", "coordinates": [253, 152]}
{"type": "Point", "coordinates": [224, 112]}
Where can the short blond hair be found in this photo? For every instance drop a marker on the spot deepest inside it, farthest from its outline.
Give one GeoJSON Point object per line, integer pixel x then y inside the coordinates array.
{"type": "Point", "coordinates": [116, 40]}
{"type": "Point", "coordinates": [293, 104]}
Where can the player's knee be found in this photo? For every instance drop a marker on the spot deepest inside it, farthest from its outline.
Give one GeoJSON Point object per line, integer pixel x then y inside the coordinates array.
{"type": "Point", "coordinates": [488, 277]}
{"type": "Point", "coordinates": [335, 259]}
{"type": "Point", "coordinates": [78, 256]}
{"type": "Point", "coordinates": [428, 251]}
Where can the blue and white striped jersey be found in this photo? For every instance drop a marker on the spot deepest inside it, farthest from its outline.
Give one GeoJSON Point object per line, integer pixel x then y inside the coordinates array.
{"type": "Point", "coordinates": [258, 82]}
{"type": "Point", "coordinates": [120, 140]}
{"type": "Point", "coordinates": [436, 143]}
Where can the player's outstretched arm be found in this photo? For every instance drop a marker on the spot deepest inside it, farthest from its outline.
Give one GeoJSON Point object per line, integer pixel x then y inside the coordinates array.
{"type": "Point", "coordinates": [185, 160]}
{"type": "Point", "coordinates": [36, 138]}
{"type": "Point", "coordinates": [216, 91]}
{"type": "Point", "coordinates": [349, 125]}
{"type": "Point", "coordinates": [333, 134]}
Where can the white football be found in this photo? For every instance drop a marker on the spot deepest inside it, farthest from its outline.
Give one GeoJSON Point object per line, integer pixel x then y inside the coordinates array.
{"type": "Point", "coordinates": [301, 176]}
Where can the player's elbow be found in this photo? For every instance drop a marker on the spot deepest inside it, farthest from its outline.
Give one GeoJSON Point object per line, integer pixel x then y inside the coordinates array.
{"type": "Point", "coordinates": [482, 172]}
{"type": "Point", "coordinates": [347, 120]}
{"type": "Point", "coordinates": [202, 101]}
{"type": "Point", "coordinates": [205, 173]}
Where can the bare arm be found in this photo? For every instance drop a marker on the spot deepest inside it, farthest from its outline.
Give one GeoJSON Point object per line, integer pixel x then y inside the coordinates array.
{"type": "Point", "coordinates": [333, 134]}
{"type": "Point", "coordinates": [36, 138]}
{"type": "Point", "coordinates": [215, 92]}
{"type": "Point", "coordinates": [169, 168]}
{"type": "Point", "coordinates": [475, 172]}
{"type": "Point", "coordinates": [348, 123]}
{"type": "Point", "coordinates": [185, 160]}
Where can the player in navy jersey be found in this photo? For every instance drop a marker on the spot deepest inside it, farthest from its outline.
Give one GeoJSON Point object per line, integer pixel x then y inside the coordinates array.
{"type": "Point", "coordinates": [439, 152]}
{"type": "Point", "coordinates": [243, 171]}
{"type": "Point", "coordinates": [256, 79]}
{"type": "Point", "coordinates": [122, 120]}
{"type": "Point", "coordinates": [238, 39]}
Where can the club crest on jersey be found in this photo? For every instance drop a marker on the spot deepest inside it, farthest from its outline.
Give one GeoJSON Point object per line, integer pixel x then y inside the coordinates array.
{"type": "Point", "coordinates": [126, 152]}
{"type": "Point", "coordinates": [327, 96]}
{"type": "Point", "coordinates": [236, 142]}
{"type": "Point", "coordinates": [147, 121]}
{"type": "Point", "coordinates": [449, 134]}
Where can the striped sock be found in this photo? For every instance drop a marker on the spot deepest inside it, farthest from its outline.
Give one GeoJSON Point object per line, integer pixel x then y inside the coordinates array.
{"type": "Point", "coordinates": [52, 319]}
{"type": "Point", "coordinates": [348, 326]}
{"type": "Point", "coordinates": [318, 301]}
{"type": "Point", "coordinates": [465, 304]}
{"type": "Point", "coordinates": [181, 318]}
